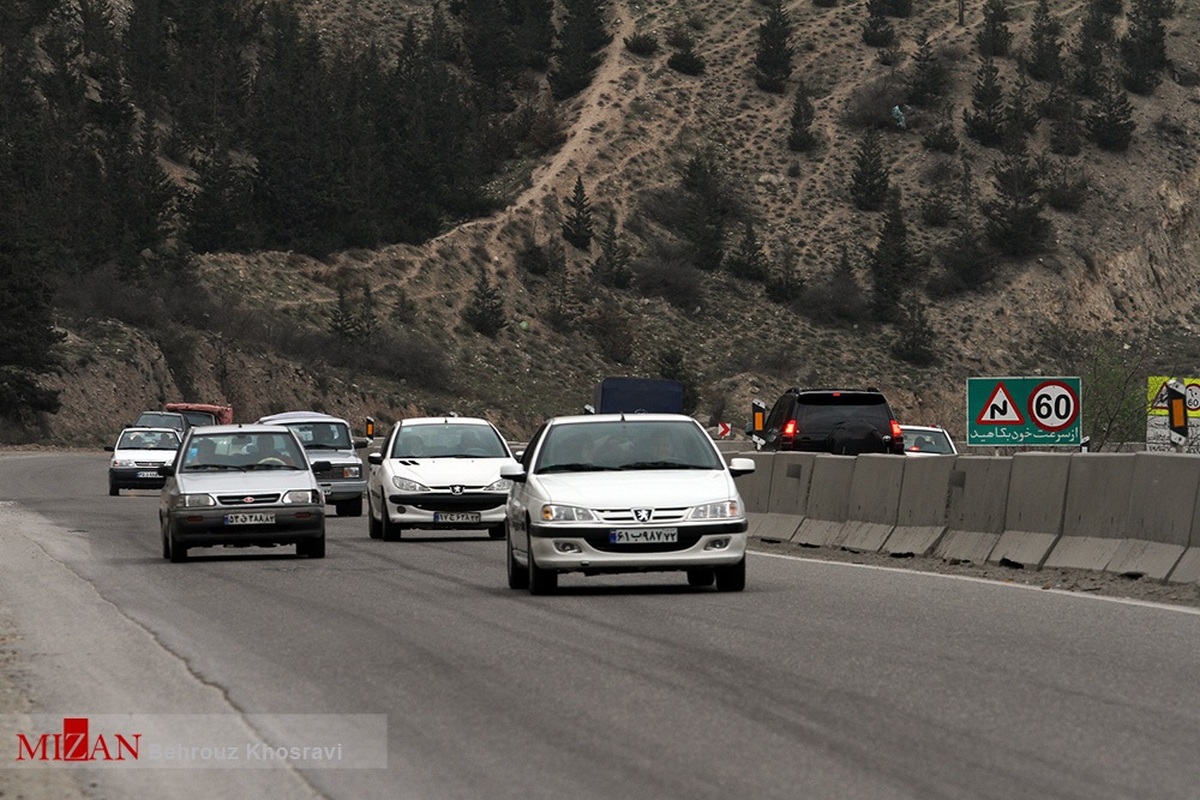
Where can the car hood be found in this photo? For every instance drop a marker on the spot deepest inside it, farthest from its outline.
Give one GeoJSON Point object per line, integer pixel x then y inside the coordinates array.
{"type": "Point", "coordinates": [654, 488]}
{"type": "Point", "coordinates": [445, 471]}
{"type": "Point", "coordinates": [235, 482]}
{"type": "Point", "coordinates": [334, 456]}
{"type": "Point", "coordinates": [159, 456]}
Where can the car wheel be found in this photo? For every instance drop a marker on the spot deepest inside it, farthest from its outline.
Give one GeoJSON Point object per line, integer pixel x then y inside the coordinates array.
{"type": "Point", "coordinates": [311, 548]}
{"type": "Point", "coordinates": [388, 530]}
{"type": "Point", "coordinates": [518, 576]}
{"type": "Point", "coordinates": [175, 551]}
{"type": "Point", "coordinates": [166, 543]}
{"type": "Point", "coordinates": [731, 578]}
{"type": "Point", "coordinates": [350, 508]}
{"type": "Point", "coordinates": [374, 526]}
{"type": "Point", "coordinates": [701, 576]}
{"type": "Point", "coordinates": [113, 490]}
{"type": "Point", "coordinates": [541, 581]}
{"type": "Point", "coordinates": [496, 531]}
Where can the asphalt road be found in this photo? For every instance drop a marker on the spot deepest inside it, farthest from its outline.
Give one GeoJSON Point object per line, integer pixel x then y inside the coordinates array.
{"type": "Point", "coordinates": [821, 680]}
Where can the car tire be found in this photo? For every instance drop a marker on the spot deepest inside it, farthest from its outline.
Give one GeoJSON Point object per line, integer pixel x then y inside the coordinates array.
{"type": "Point", "coordinates": [350, 508]}
{"type": "Point", "coordinates": [166, 544]}
{"type": "Point", "coordinates": [496, 531]}
{"type": "Point", "coordinates": [541, 581]}
{"type": "Point", "coordinates": [374, 526]}
{"type": "Point", "coordinates": [388, 530]}
{"type": "Point", "coordinates": [701, 576]}
{"type": "Point", "coordinates": [174, 550]}
{"type": "Point", "coordinates": [731, 578]}
{"type": "Point", "coordinates": [113, 489]}
{"type": "Point", "coordinates": [311, 548]}
{"type": "Point", "coordinates": [518, 576]}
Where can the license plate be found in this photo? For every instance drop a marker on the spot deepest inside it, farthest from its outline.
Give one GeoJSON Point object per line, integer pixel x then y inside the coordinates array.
{"type": "Point", "coordinates": [251, 518]}
{"type": "Point", "coordinates": [456, 516]}
{"type": "Point", "coordinates": [643, 536]}
{"type": "Point", "coordinates": [149, 474]}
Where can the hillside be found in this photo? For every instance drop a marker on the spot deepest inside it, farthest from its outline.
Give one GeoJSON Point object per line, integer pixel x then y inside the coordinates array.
{"type": "Point", "coordinates": [1121, 263]}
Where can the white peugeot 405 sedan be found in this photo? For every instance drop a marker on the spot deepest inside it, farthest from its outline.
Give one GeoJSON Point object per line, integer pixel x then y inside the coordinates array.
{"type": "Point", "coordinates": [438, 473]}
{"type": "Point", "coordinates": [613, 493]}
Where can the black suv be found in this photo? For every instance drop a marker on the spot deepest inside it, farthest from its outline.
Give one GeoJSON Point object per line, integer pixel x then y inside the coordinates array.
{"type": "Point", "coordinates": [843, 421]}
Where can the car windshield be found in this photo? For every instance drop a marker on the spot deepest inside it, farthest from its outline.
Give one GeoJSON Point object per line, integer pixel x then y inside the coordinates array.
{"type": "Point", "coordinates": [161, 419]}
{"type": "Point", "coordinates": [243, 451]}
{"type": "Point", "coordinates": [148, 440]}
{"type": "Point", "coordinates": [449, 440]}
{"type": "Point", "coordinates": [322, 435]}
{"type": "Point", "coordinates": [626, 445]}
{"type": "Point", "coordinates": [928, 442]}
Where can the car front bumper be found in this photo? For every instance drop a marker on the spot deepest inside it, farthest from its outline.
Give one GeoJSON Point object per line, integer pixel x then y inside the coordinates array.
{"type": "Point", "coordinates": [590, 549]}
{"type": "Point", "coordinates": [338, 490]}
{"type": "Point", "coordinates": [444, 510]}
{"type": "Point", "coordinates": [206, 527]}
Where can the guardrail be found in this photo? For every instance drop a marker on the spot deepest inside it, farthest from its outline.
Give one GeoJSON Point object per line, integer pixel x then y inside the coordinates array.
{"type": "Point", "coordinates": [1135, 514]}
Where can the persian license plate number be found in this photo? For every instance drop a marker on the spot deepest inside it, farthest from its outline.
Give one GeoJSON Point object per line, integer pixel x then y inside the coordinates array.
{"type": "Point", "coordinates": [643, 536]}
{"type": "Point", "coordinates": [251, 518]}
{"type": "Point", "coordinates": [456, 516]}
{"type": "Point", "coordinates": [148, 473]}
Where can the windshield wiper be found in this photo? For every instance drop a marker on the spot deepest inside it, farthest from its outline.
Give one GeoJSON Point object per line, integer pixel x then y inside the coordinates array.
{"type": "Point", "coordinates": [662, 465]}
{"type": "Point", "coordinates": [320, 446]}
{"type": "Point", "coordinates": [206, 467]}
{"type": "Point", "coordinates": [575, 468]}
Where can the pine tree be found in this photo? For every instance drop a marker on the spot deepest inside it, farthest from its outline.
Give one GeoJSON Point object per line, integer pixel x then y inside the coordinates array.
{"type": "Point", "coordinates": [994, 38]}
{"type": "Point", "coordinates": [800, 136]}
{"type": "Point", "coordinates": [985, 119]}
{"type": "Point", "coordinates": [577, 228]}
{"type": "Point", "coordinates": [342, 323]}
{"type": "Point", "coordinates": [1110, 122]}
{"type": "Point", "coordinates": [773, 58]}
{"type": "Point", "coordinates": [672, 366]}
{"type": "Point", "coordinates": [1045, 45]}
{"type": "Point", "coordinates": [582, 33]}
{"type": "Point", "coordinates": [709, 207]}
{"type": "Point", "coordinates": [929, 79]}
{"type": "Point", "coordinates": [611, 267]}
{"type": "Point", "coordinates": [871, 178]}
{"type": "Point", "coordinates": [894, 264]}
{"type": "Point", "coordinates": [685, 59]}
{"type": "Point", "coordinates": [27, 340]}
{"type": "Point", "coordinates": [916, 340]}
{"type": "Point", "coordinates": [747, 261]}
{"type": "Point", "coordinates": [492, 51]}
{"type": "Point", "coordinates": [1014, 224]}
{"type": "Point", "coordinates": [1020, 115]}
{"type": "Point", "coordinates": [878, 30]}
{"type": "Point", "coordinates": [1066, 132]}
{"type": "Point", "coordinates": [1144, 46]}
{"type": "Point", "coordinates": [485, 312]}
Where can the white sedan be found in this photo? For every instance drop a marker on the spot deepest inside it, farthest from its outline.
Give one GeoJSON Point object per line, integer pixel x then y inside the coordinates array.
{"type": "Point", "coordinates": [927, 440]}
{"type": "Point", "coordinates": [614, 493]}
{"type": "Point", "coordinates": [438, 473]}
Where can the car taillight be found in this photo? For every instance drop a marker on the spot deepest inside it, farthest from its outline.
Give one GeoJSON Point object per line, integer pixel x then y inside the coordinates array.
{"type": "Point", "coordinates": [897, 434]}
{"type": "Point", "coordinates": [789, 430]}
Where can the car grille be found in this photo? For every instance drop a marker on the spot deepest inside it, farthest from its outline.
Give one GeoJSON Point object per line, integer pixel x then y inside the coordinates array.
{"type": "Point", "coordinates": [151, 464]}
{"type": "Point", "coordinates": [602, 544]}
{"type": "Point", "coordinates": [449, 502]}
{"type": "Point", "coordinates": [625, 516]}
{"type": "Point", "coordinates": [240, 499]}
{"type": "Point", "coordinates": [334, 473]}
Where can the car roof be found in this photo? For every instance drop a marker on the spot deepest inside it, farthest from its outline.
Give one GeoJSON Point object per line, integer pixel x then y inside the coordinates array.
{"type": "Point", "coordinates": [576, 418]}
{"type": "Point", "coordinates": [443, 421]}
{"type": "Point", "coordinates": [242, 427]}
{"type": "Point", "coordinates": [298, 416]}
{"type": "Point", "coordinates": [144, 429]}
{"type": "Point", "coordinates": [904, 426]}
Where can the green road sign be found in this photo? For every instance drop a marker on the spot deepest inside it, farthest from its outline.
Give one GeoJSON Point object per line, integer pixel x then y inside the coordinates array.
{"type": "Point", "coordinates": [1016, 412]}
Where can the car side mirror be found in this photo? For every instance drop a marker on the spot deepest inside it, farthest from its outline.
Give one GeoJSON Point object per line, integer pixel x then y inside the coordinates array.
{"type": "Point", "coordinates": [361, 443]}
{"type": "Point", "coordinates": [108, 448]}
{"type": "Point", "coordinates": [514, 472]}
{"type": "Point", "coordinates": [741, 466]}
{"type": "Point", "coordinates": [166, 470]}
{"type": "Point", "coordinates": [321, 466]}
{"type": "Point", "coordinates": [375, 458]}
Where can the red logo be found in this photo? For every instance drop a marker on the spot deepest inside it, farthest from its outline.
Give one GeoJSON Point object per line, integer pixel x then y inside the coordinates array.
{"type": "Point", "coordinates": [75, 743]}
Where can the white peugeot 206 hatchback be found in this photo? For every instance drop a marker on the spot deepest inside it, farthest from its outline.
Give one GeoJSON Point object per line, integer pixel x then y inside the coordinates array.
{"type": "Point", "coordinates": [613, 493]}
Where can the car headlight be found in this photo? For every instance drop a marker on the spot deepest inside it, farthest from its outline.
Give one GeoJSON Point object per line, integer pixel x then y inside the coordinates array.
{"type": "Point", "coordinates": [556, 513]}
{"type": "Point", "coordinates": [351, 472]}
{"type": "Point", "coordinates": [502, 485]}
{"type": "Point", "coordinates": [119, 463]}
{"type": "Point", "coordinates": [725, 509]}
{"type": "Point", "coordinates": [303, 497]}
{"type": "Point", "coordinates": [405, 485]}
{"type": "Point", "coordinates": [196, 500]}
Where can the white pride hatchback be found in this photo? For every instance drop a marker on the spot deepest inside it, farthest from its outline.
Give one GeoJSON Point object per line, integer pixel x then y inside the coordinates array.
{"type": "Point", "coordinates": [614, 493]}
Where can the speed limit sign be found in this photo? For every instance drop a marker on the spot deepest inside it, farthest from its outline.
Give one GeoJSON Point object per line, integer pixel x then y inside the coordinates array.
{"type": "Point", "coordinates": [1053, 406]}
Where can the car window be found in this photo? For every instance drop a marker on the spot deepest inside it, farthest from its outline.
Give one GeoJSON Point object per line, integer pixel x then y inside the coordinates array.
{"type": "Point", "coordinates": [449, 440]}
{"type": "Point", "coordinates": [625, 445]}
{"type": "Point", "coordinates": [322, 435]}
{"type": "Point", "coordinates": [243, 451]}
{"type": "Point", "coordinates": [148, 440]}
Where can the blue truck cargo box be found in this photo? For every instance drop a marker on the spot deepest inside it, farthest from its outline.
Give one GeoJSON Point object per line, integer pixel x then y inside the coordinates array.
{"type": "Point", "coordinates": [634, 395]}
